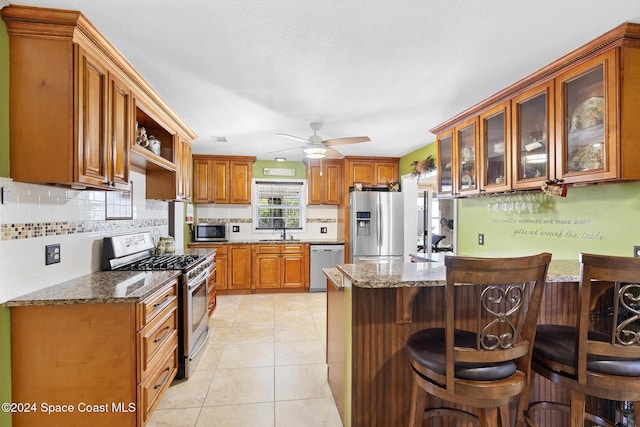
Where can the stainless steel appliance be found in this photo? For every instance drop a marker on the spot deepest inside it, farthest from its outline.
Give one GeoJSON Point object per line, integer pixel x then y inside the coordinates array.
{"type": "Point", "coordinates": [376, 226]}
{"type": "Point", "coordinates": [211, 232]}
{"type": "Point", "coordinates": [136, 252]}
{"type": "Point", "coordinates": [323, 256]}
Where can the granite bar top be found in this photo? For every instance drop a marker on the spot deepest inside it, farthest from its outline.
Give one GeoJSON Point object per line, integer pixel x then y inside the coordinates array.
{"type": "Point", "coordinates": [99, 288]}
{"type": "Point", "coordinates": [335, 276]}
{"type": "Point", "coordinates": [422, 274]}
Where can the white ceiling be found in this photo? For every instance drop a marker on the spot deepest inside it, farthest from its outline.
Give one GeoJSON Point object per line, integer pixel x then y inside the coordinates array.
{"type": "Point", "coordinates": [391, 70]}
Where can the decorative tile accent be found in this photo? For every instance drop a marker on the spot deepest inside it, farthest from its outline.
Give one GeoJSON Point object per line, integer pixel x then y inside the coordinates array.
{"type": "Point", "coordinates": [321, 220]}
{"type": "Point", "coordinates": [34, 230]}
{"type": "Point", "coordinates": [225, 220]}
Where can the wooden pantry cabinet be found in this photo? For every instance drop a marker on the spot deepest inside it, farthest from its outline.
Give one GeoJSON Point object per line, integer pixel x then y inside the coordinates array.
{"type": "Point", "coordinates": [324, 182]}
{"type": "Point", "coordinates": [75, 103]}
{"type": "Point", "coordinates": [573, 120]}
{"type": "Point", "coordinates": [222, 179]}
{"type": "Point", "coordinates": [116, 358]}
{"type": "Point", "coordinates": [281, 266]}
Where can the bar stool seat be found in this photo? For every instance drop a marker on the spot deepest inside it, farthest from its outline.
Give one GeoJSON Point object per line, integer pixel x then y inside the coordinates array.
{"type": "Point", "coordinates": [589, 359]}
{"type": "Point", "coordinates": [558, 343]}
{"type": "Point", "coordinates": [427, 348]}
{"type": "Point", "coordinates": [480, 359]}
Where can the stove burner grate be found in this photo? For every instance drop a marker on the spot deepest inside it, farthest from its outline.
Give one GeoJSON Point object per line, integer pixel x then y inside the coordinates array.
{"type": "Point", "coordinates": [163, 262]}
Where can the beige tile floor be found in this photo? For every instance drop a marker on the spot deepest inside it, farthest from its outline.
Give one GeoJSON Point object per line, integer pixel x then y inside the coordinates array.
{"type": "Point", "coordinates": [263, 366]}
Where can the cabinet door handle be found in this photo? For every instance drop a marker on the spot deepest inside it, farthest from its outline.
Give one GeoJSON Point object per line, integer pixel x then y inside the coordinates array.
{"type": "Point", "coordinates": [164, 335]}
{"type": "Point", "coordinates": [164, 379]}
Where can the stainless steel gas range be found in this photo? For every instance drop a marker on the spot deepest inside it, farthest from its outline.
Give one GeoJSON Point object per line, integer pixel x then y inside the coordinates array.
{"type": "Point", "coordinates": [136, 252]}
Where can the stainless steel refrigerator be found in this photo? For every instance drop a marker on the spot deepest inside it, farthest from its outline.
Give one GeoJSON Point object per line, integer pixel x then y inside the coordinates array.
{"type": "Point", "coordinates": [376, 226]}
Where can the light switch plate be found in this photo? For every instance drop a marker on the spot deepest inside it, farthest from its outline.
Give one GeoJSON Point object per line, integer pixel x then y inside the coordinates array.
{"type": "Point", "coordinates": [6, 195]}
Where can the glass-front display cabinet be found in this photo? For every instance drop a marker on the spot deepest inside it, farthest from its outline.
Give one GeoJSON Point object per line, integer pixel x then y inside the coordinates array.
{"type": "Point", "coordinates": [495, 146]}
{"type": "Point", "coordinates": [587, 122]}
{"type": "Point", "coordinates": [466, 145]}
{"type": "Point", "coordinates": [445, 163]}
{"type": "Point", "coordinates": [532, 113]}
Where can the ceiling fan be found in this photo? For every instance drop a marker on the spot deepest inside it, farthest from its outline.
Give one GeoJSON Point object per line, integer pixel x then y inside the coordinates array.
{"type": "Point", "coordinates": [317, 148]}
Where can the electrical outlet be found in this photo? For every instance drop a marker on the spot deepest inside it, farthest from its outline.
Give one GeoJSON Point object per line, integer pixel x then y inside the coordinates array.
{"type": "Point", "coordinates": [481, 239]}
{"type": "Point", "coordinates": [636, 251]}
{"type": "Point", "coordinates": [52, 254]}
{"type": "Point", "coordinates": [236, 228]}
{"type": "Point", "coordinates": [323, 230]}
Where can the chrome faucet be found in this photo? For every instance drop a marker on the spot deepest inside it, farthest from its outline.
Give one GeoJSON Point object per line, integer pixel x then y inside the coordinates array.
{"type": "Point", "coordinates": [283, 236]}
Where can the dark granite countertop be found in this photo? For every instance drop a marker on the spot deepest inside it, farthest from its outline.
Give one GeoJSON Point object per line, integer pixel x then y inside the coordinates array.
{"type": "Point", "coordinates": [335, 276]}
{"type": "Point", "coordinates": [105, 286]}
{"type": "Point", "coordinates": [398, 274]}
{"type": "Point", "coordinates": [267, 241]}
{"type": "Point", "coordinates": [99, 288]}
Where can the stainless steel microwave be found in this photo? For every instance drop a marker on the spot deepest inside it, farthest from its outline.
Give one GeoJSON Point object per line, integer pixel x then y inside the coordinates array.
{"type": "Point", "coordinates": [211, 232]}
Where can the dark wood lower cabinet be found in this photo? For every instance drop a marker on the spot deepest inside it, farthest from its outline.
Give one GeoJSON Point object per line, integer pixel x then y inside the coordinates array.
{"type": "Point", "coordinates": [369, 372]}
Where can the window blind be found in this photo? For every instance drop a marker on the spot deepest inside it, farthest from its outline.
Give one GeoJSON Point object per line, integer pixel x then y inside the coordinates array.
{"type": "Point", "coordinates": [278, 205]}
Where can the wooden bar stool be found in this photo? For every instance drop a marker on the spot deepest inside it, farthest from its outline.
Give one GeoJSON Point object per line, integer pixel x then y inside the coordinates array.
{"type": "Point", "coordinates": [485, 363]}
{"type": "Point", "coordinates": [602, 362]}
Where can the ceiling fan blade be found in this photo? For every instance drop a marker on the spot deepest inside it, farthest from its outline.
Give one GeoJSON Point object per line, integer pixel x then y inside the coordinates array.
{"type": "Point", "coordinates": [297, 138]}
{"type": "Point", "coordinates": [333, 153]}
{"type": "Point", "coordinates": [343, 141]}
{"type": "Point", "coordinates": [286, 149]}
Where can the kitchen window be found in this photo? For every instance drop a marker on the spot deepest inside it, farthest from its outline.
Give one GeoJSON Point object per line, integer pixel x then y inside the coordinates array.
{"type": "Point", "coordinates": [279, 204]}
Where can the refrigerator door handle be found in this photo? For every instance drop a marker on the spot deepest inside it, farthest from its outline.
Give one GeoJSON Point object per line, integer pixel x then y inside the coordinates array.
{"type": "Point", "coordinates": [380, 228]}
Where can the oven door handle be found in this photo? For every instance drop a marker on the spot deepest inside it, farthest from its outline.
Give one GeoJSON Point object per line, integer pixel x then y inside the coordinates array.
{"type": "Point", "coordinates": [204, 342]}
{"type": "Point", "coordinates": [198, 280]}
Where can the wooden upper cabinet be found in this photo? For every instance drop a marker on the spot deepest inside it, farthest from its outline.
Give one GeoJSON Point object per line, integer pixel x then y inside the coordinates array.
{"type": "Point", "coordinates": [371, 171]}
{"type": "Point", "coordinates": [240, 181]}
{"type": "Point", "coordinates": [445, 163]}
{"type": "Point", "coordinates": [587, 132]}
{"type": "Point", "coordinates": [120, 131]}
{"type": "Point", "coordinates": [495, 149]}
{"type": "Point", "coordinates": [362, 172]}
{"type": "Point", "coordinates": [201, 180]}
{"type": "Point", "coordinates": [92, 121]}
{"type": "Point", "coordinates": [466, 149]}
{"type": "Point", "coordinates": [533, 137]}
{"type": "Point", "coordinates": [572, 120]}
{"type": "Point", "coordinates": [324, 182]}
{"type": "Point", "coordinates": [184, 168]}
{"type": "Point", "coordinates": [74, 104]}
{"type": "Point", "coordinates": [104, 120]}
{"type": "Point", "coordinates": [385, 172]}
{"type": "Point", "coordinates": [222, 179]}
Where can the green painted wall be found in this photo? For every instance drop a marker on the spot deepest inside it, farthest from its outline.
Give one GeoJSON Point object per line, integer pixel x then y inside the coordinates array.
{"type": "Point", "coordinates": [419, 154]}
{"type": "Point", "coordinates": [5, 321]}
{"type": "Point", "coordinates": [259, 165]}
{"type": "Point", "coordinates": [602, 218]}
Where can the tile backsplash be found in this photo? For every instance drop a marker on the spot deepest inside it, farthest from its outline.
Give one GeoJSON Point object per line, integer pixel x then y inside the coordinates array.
{"type": "Point", "coordinates": [242, 216]}
{"type": "Point", "coordinates": [37, 215]}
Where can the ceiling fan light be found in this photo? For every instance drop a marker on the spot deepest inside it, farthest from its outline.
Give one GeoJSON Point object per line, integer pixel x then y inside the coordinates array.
{"type": "Point", "coordinates": [315, 152]}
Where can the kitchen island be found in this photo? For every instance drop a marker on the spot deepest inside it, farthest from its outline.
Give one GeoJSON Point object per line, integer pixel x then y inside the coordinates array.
{"type": "Point", "coordinates": [371, 311]}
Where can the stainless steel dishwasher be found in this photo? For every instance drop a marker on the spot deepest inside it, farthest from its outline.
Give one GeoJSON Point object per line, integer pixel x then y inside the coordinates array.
{"type": "Point", "coordinates": [323, 256]}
